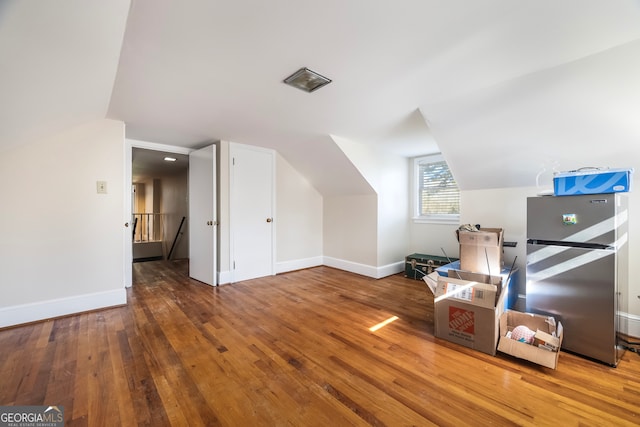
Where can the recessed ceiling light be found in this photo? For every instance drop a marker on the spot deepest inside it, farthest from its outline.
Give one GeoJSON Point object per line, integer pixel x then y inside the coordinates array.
{"type": "Point", "coordinates": [169, 159]}
{"type": "Point", "coordinates": [307, 80]}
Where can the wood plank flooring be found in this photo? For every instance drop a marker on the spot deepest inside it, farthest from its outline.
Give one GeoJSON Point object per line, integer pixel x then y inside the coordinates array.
{"type": "Point", "coordinates": [292, 350]}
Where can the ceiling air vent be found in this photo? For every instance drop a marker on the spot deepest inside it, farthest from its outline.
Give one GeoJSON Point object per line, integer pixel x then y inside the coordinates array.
{"type": "Point", "coordinates": [307, 80]}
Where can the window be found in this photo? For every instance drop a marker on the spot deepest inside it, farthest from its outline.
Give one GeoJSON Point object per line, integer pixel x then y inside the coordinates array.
{"type": "Point", "coordinates": [436, 195]}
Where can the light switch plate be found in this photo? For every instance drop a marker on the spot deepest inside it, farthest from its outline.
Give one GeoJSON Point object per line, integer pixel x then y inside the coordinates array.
{"type": "Point", "coordinates": [101, 187]}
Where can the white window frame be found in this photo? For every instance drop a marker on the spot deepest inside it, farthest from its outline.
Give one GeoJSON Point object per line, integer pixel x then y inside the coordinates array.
{"type": "Point", "coordinates": [432, 219]}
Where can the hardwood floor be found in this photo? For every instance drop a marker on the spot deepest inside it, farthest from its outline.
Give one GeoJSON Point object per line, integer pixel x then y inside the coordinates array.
{"type": "Point", "coordinates": [293, 349]}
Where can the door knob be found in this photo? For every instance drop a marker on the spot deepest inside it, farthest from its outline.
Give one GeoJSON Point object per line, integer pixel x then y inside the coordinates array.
{"type": "Point", "coordinates": [269, 219]}
{"type": "Point", "coordinates": [126, 224]}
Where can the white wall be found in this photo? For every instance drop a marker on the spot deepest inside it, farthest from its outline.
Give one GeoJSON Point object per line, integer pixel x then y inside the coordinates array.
{"type": "Point", "coordinates": [393, 191]}
{"type": "Point", "coordinates": [350, 233]}
{"type": "Point", "coordinates": [507, 208]}
{"type": "Point", "coordinates": [298, 220]}
{"type": "Point", "coordinates": [431, 239]}
{"type": "Point", "coordinates": [174, 206]}
{"type": "Point", "coordinates": [62, 243]}
{"type": "Point", "coordinates": [387, 174]}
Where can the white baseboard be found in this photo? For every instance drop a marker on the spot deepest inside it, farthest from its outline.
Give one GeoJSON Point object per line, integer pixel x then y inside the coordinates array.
{"type": "Point", "coordinates": [224, 277]}
{"type": "Point", "coordinates": [390, 269]}
{"type": "Point", "coordinates": [629, 324]}
{"type": "Point", "coordinates": [298, 264]}
{"type": "Point", "coordinates": [32, 312]}
{"type": "Point", "coordinates": [363, 269]}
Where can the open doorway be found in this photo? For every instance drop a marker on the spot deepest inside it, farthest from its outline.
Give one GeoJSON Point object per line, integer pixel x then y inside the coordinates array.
{"type": "Point", "coordinates": [159, 202]}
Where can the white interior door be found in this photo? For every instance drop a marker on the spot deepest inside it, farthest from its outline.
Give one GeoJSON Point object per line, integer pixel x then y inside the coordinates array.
{"type": "Point", "coordinates": [252, 207]}
{"type": "Point", "coordinates": [202, 215]}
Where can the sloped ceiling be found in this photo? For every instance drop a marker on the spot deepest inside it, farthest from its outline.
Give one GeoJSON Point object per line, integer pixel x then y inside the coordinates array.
{"type": "Point", "coordinates": [500, 87]}
{"type": "Point", "coordinates": [580, 114]}
{"type": "Point", "coordinates": [58, 63]}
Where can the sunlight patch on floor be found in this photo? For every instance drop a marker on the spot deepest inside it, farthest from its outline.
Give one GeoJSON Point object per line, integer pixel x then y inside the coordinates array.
{"type": "Point", "coordinates": [383, 324]}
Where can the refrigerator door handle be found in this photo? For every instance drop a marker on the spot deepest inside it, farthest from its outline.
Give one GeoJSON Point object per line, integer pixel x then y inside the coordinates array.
{"type": "Point", "coordinates": [569, 244]}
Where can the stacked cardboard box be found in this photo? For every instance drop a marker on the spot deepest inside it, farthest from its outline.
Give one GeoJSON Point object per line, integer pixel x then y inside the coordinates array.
{"type": "Point", "coordinates": [468, 303]}
{"type": "Point", "coordinates": [481, 251]}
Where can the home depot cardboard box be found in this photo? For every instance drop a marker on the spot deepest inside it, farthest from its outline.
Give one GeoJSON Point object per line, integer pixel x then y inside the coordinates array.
{"type": "Point", "coordinates": [481, 251]}
{"type": "Point", "coordinates": [467, 308]}
{"type": "Point", "coordinates": [545, 349]}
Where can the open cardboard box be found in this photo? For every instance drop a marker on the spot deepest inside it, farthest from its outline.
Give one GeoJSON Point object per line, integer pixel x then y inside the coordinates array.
{"type": "Point", "coordinates": [467, 308]}
{"type": "Point", "coordinates": [546, 348]}
{"type": "Point", "coordinates": [481, 251]}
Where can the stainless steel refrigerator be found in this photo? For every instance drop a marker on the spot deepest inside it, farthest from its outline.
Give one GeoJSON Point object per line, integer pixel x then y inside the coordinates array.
{"type": "Point", "coordinates": [577, 269]}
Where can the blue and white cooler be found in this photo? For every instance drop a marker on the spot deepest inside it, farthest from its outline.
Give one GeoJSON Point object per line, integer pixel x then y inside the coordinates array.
{"type": "Point", "coordinates": [592, 181]}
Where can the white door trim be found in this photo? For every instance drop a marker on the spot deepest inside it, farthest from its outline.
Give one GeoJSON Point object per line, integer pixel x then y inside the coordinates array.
{"type": "Point", "coordinates": [129, 145]}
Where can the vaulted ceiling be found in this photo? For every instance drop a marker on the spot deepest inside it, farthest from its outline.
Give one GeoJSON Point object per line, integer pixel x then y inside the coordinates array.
{"type": "Point", "coordinates": [500, 87]}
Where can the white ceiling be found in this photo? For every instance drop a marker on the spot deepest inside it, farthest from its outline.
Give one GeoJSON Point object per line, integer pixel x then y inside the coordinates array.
{"type": "Point", "coordinates": [150, 164]}
{"type": "Point", "coordinates": [500, 87]}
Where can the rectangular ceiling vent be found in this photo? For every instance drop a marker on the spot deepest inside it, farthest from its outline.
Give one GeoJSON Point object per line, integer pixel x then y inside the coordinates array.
{"type": "Point", "coordinates": [307, 80]}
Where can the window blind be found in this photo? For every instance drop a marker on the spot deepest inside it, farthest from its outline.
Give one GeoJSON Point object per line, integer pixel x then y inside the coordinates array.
{"type": "Point", "coordinates": [438, 192]}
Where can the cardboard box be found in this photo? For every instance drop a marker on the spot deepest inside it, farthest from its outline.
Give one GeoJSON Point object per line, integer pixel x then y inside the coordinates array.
{"type": "Point", "coordinates": [481, 251]}
{"type": "Point", "coordinates": [542, 350]}
{"type": "Point", "coordinates": [506, 273]}
{"type": "Point", "coordinates": [467, 309]}
{"type": "Point", "coordinates": [546, 341]}
{"type": "Point", "coordinates": [592, 181]}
